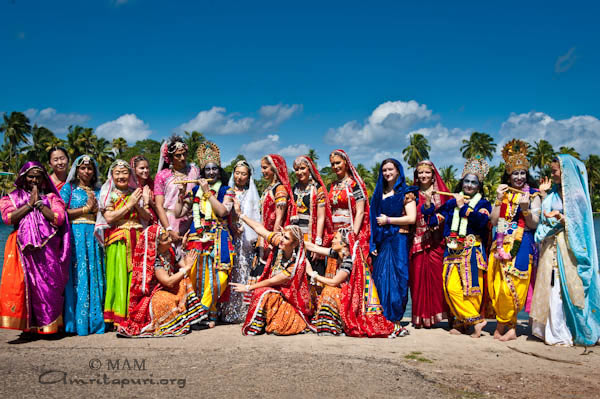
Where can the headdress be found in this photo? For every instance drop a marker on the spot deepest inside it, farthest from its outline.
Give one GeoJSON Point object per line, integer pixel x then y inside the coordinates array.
{"type": "Point", "coordinates": [132, 162]}
{"type": "Point", "coordinates": [83, 159]}
{"type": "Point", "coordinates": [245, 163]}
{"type": "Point", "coordinates": [476, 166]}
{"type": "Point", "coordinates": [46, 184]}
{"type": "Point", "coordinates": [515, 155]}
{"type": "Point", "coordinates": [208, 152]}
{"type": "Point", "coordinates": [169, 147]}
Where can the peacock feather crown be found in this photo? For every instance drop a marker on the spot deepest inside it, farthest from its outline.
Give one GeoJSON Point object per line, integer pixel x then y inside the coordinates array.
{"type": "Point", "coordinates": [208, 152]}
{"type": "Point", "coordinates": [476, 166]}
{"type": "Point", "coordinates": [515, 155]}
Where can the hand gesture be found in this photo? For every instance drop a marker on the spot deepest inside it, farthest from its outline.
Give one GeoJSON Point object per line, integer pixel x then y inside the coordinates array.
{"type": "Point", "coordinates": [382, 220]}
{"type": "Point", "coordinates": [545, 184]}
{"type": "Point", "coordinates": [460, 200]}
{"type": "Point", "coordinates": [185, 239]}
{"type": "Point", "coordinates": [188, 260]}
{"type": "Point", "coordinates": [237, 287]}
{"type": "Point", "coordinates": [237, 206]}
{"type": "Point", "coordinates": [552, 214]}
{"type": "Point", "coordinates": [134, 198]}
{"type": "Point", "coordinates": [524, 201]}
{"type": "Point", "coordinates": [204, 186]}
{"type": "Point", "coordinates": [175, 236]}
{"type": "Point", "coordinates": [146, 195]}
{"type": "Point", "coordinates": [35, 196]}
{"type": "Point", "coordinates": [501, 190]}
{"type": "Point", "coordinates": [92, 204]}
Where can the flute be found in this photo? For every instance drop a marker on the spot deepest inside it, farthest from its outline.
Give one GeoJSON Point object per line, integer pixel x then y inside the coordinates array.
{"type": "Point", "coordinates": [515, 190]}
{"type": "Point", "coordinates": [449, 194]}
{"type": "Point", "coordinates": [186, 181]}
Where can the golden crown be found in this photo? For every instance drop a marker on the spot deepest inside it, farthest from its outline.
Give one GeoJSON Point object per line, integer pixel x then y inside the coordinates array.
{"type": "Point", "coordinates": [476, 166]}
{"type": "Point", "coordinates": [515, 155]}
{"type": "Point", "coordinates": [208, 152]}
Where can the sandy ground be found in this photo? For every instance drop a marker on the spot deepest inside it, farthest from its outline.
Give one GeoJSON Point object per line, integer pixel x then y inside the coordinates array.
{"type": "Point", "coordinates": [223, 363]}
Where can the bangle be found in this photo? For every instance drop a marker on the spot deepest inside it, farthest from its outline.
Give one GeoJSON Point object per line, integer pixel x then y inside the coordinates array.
{"type": "Point", "coordinates": [29, 206]}
{"type": "Point", "coordinates": [318, 241]}
{"type": "Point", "coordinates": [247, 286]}
{"type": "Point", "coordinates": [85, 209]}
{"type": "Point", "coordinates": [207, 195]}
{"type": "Point", "coordinates": [38, 204]}
{"type": "Point", "coordinates": [526, 213]}
{"type": "Point", "coordinates": [387, 220]}
{"type": "Point", "coordinates": [169, 228]}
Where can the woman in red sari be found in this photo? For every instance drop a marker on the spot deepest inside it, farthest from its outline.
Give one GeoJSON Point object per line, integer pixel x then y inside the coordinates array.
{"type": "Point", "coordinates": [361, 311]}
{"type": "Point", "coordinates": [141, 167]}
{"type": "Point", "coordinates": [275, 204]}
{"type": "Point", "coordinates": [280, 302]}
{"type": "Point", "coordinates": [427, 252]}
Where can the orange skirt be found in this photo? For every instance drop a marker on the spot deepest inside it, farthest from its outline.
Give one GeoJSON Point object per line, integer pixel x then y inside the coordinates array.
{"type": "Point", "coordinates": [13, 312]}
{"type": "Point", "coordinates": [281, 317]}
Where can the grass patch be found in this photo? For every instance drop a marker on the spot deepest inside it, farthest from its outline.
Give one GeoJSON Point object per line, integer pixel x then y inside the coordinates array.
{"type": "Point", "coordinates": [417, 356]}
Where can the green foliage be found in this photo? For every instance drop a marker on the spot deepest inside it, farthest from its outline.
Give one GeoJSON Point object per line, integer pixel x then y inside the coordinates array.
{"type": "Point", "coordinates": [481, 144]}
{"type": "Point", "coordinates": [448, 175]}
{"type": "Point", "coordinates": [193, 140]}
{"type": "Point", "coordinates": [540, 156]}
{"type": "Point", "coordinates": [417, 150]}
{"type": "Point", "coordinates": [229, 168]}
{"type": "Point", "coordinates": [148, 148]}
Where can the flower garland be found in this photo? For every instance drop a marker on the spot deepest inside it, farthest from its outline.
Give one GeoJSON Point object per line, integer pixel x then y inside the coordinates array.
{"type": "Point", "coordinates": [458, 230]}
{"type": "Point", "coordinates": [508, 210]}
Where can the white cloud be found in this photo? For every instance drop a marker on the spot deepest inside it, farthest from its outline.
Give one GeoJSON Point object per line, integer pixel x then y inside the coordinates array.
{"type": "Point", "coordinates": [271, 144]}
{"type": "Point", "coordinates": [262, 146]}
{"type": "Point", "coordinates": [218, 122]}
{"type": "Point", "coordinates": [388, 123]}
{"type": "Point", "coordinates": [581, 132]}
{"type": "Point", "coordinates": [56, 122]}
{"type": "Point", "coordinates": [127, 126]}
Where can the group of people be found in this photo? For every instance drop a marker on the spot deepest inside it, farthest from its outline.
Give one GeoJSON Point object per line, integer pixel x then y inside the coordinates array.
{"type": "Point", "coordinates": [159, 257]}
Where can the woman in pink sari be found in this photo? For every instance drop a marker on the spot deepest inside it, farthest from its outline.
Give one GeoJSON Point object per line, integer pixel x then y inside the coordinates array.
{"type": "Point", "coordinates": [427, 252]}
{"type": "Point", "coordinates": [173, 153]}
{"type": "Point", "coordinates": [37, 254]}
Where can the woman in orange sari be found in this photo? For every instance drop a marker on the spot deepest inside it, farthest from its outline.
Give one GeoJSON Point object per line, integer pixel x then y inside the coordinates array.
{"type": "Point", "coordinates": [280, 302]}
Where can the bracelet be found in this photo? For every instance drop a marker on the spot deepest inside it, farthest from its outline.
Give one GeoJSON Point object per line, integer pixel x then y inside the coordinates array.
{"type": "Point", "coordinates": [38, 204]}
{"type": "Point", "coordinates": [526, 213]}
{"type": "Point", "coordinates": [29, 206]}
{"type": "Point", "coordinates": [207, 195]}
{"type": "Point", "coordinates": [387, 220]}
{"type": "Point", "coordinates": [319, 241]}
{"type": "Point", "coordinates": [85, 209]}
{"type": "Point", "coordinates": [169, 228]}
{"type": "Point", "coordinates": [247, 286]}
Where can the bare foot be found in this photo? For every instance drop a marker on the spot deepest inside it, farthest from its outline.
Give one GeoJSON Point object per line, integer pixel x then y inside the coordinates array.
{"type": "Point", "coordinates": [509, 336]}
{"type": "Point", "coordinates": [211, 324]}
{"type": "Point", "coordinates": [500, 329]}
{"type": "Point", "coordinates": [454, 331]}
{"type": "Point", "coordinates": [478, 327]}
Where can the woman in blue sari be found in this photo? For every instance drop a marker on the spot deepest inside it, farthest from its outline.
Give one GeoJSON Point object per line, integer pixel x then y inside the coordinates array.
{"type": "Point", "coordinates": [566, 300]}
{"type": "Point", "coordinates": [393, 210]}
{"type": "Point", "coordinates": [84, 293]}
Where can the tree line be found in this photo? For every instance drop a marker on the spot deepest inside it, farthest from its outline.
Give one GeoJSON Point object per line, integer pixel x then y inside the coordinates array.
{"type": "Point", "coordinates": [24, 142]}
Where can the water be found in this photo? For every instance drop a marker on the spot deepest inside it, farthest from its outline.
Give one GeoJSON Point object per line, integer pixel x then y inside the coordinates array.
{"type": "Point", "coordinates": [6, 230]}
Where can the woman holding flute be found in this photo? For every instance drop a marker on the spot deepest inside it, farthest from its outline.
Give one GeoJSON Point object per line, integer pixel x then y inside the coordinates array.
{"type": "Point", "coordinates": [516, 214]}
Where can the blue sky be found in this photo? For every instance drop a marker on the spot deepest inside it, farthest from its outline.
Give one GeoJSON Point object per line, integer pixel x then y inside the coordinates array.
{"type": "Point", "coordinates": [261, 77]}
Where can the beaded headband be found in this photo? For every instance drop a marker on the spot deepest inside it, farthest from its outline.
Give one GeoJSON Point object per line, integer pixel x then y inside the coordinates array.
{"type": "Point", "coordinates": [425, 165]}
{"type": "Point", "coordinates": [476, 166]}
{"type": "Point", "coordinates": [208, 152]}
{"type": "Point", "coordinates": [515, 155]}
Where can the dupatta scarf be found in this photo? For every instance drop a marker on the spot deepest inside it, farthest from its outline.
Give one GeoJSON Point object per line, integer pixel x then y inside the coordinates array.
{"type": "Point", "coordinates": [281, 171]}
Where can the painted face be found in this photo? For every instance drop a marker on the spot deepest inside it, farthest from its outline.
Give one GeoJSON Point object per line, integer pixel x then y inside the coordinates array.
{"type": "Point", "coordinates": [179, 158]}
{"type": "Point", "coordinates": [120, 176]}
{"type": "Point", "coordinates": [241, 176]}
{"type": "Point", "coordinates": [288, 242]}
{"type": "Point", "coordinates": [302, 172]}
{"type": "Point", "coordinates": [556, 173]}
{"type": "Point", "coordinates": [390, 173]}
{"type": "Point", "coordinates": [212, 172]}
{"type": "Point", "coordinates": [85, 173]}
{"type": "Point", "coordinates": [338, 165]}
{"type": "Point", "coordinates": [425, 176]}
{"type": "Point", "coordinates": [266, 170]}
{"type": "Point", "coordinates": [33, 178]}
{"type": "Point", "coordinates": [142, 170]}
{"type": "Point", "coordinates": [58, 161]}
{"type": "Point", "coordinates": [470, 184]}
{"type": "Point", "coordinates": [518, 178]}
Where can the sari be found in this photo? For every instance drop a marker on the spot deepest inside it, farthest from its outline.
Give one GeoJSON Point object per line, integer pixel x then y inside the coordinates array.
{"type": "Point", "coordinates": [361, 311]}
{"type": "Point", "coordinates": [566, 301]}
{"type": "Point", "coordinates": [427, 258]}
{"type": "Point", "coordinates": [84, 293]}
{"type": "Point", "coordinates": [156, 310]}
{"type": "Point", "coordinates": [36, 260]}
{"type": "Point", "coordinates": [283, 309]}
{"type": "Point", "coordinates": [390, 266]}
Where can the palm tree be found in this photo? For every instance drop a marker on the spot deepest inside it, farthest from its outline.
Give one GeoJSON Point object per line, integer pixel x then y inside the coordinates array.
{"type": "Point", "coordinates": [540, 156]}
{"type": "Point", "coordinates": [103, 154]}
{"type": "Point", "coordinates": [417, 150]}
{"type": "Point", "coordinates": [16, 128]}
{"type": "Point", "coordinates": [327, 175]}
{"type": "Point", "coordinates": [193, 139]}
{"type": "Point", "coordinates": [367, 177]}
{"type": "Point", "coordinates": [481, 144]}
{"type": "Point", "coordinates": [119, 145]}
{"type": "Point", "coordinates": [312, 154]}
{"type": "Point", "coordinates": [80, 140]}
{"type": "Point", "coordinates": [592, 164]}
{"type": "Point", "coordinates": [42, 140]}
{"type": "Point", "coordinates": [493, 180]}
{"type": "Point", "coordinates": [448, 175]}
{"type": "Point", "coordinates": [570, 151]}
{"type": "Point", "coordinates": [229, 168]}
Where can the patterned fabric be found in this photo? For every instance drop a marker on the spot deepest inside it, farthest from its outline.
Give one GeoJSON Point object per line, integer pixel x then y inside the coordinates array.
{"type": "Point", "coordinates": [84, 293]}
{"type": "Point", "coordinates": [155, 310]}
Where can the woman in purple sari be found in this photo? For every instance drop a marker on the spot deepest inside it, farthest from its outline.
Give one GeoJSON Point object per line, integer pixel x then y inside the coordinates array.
{"type": "Point", "coordinates": [37, 254]}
